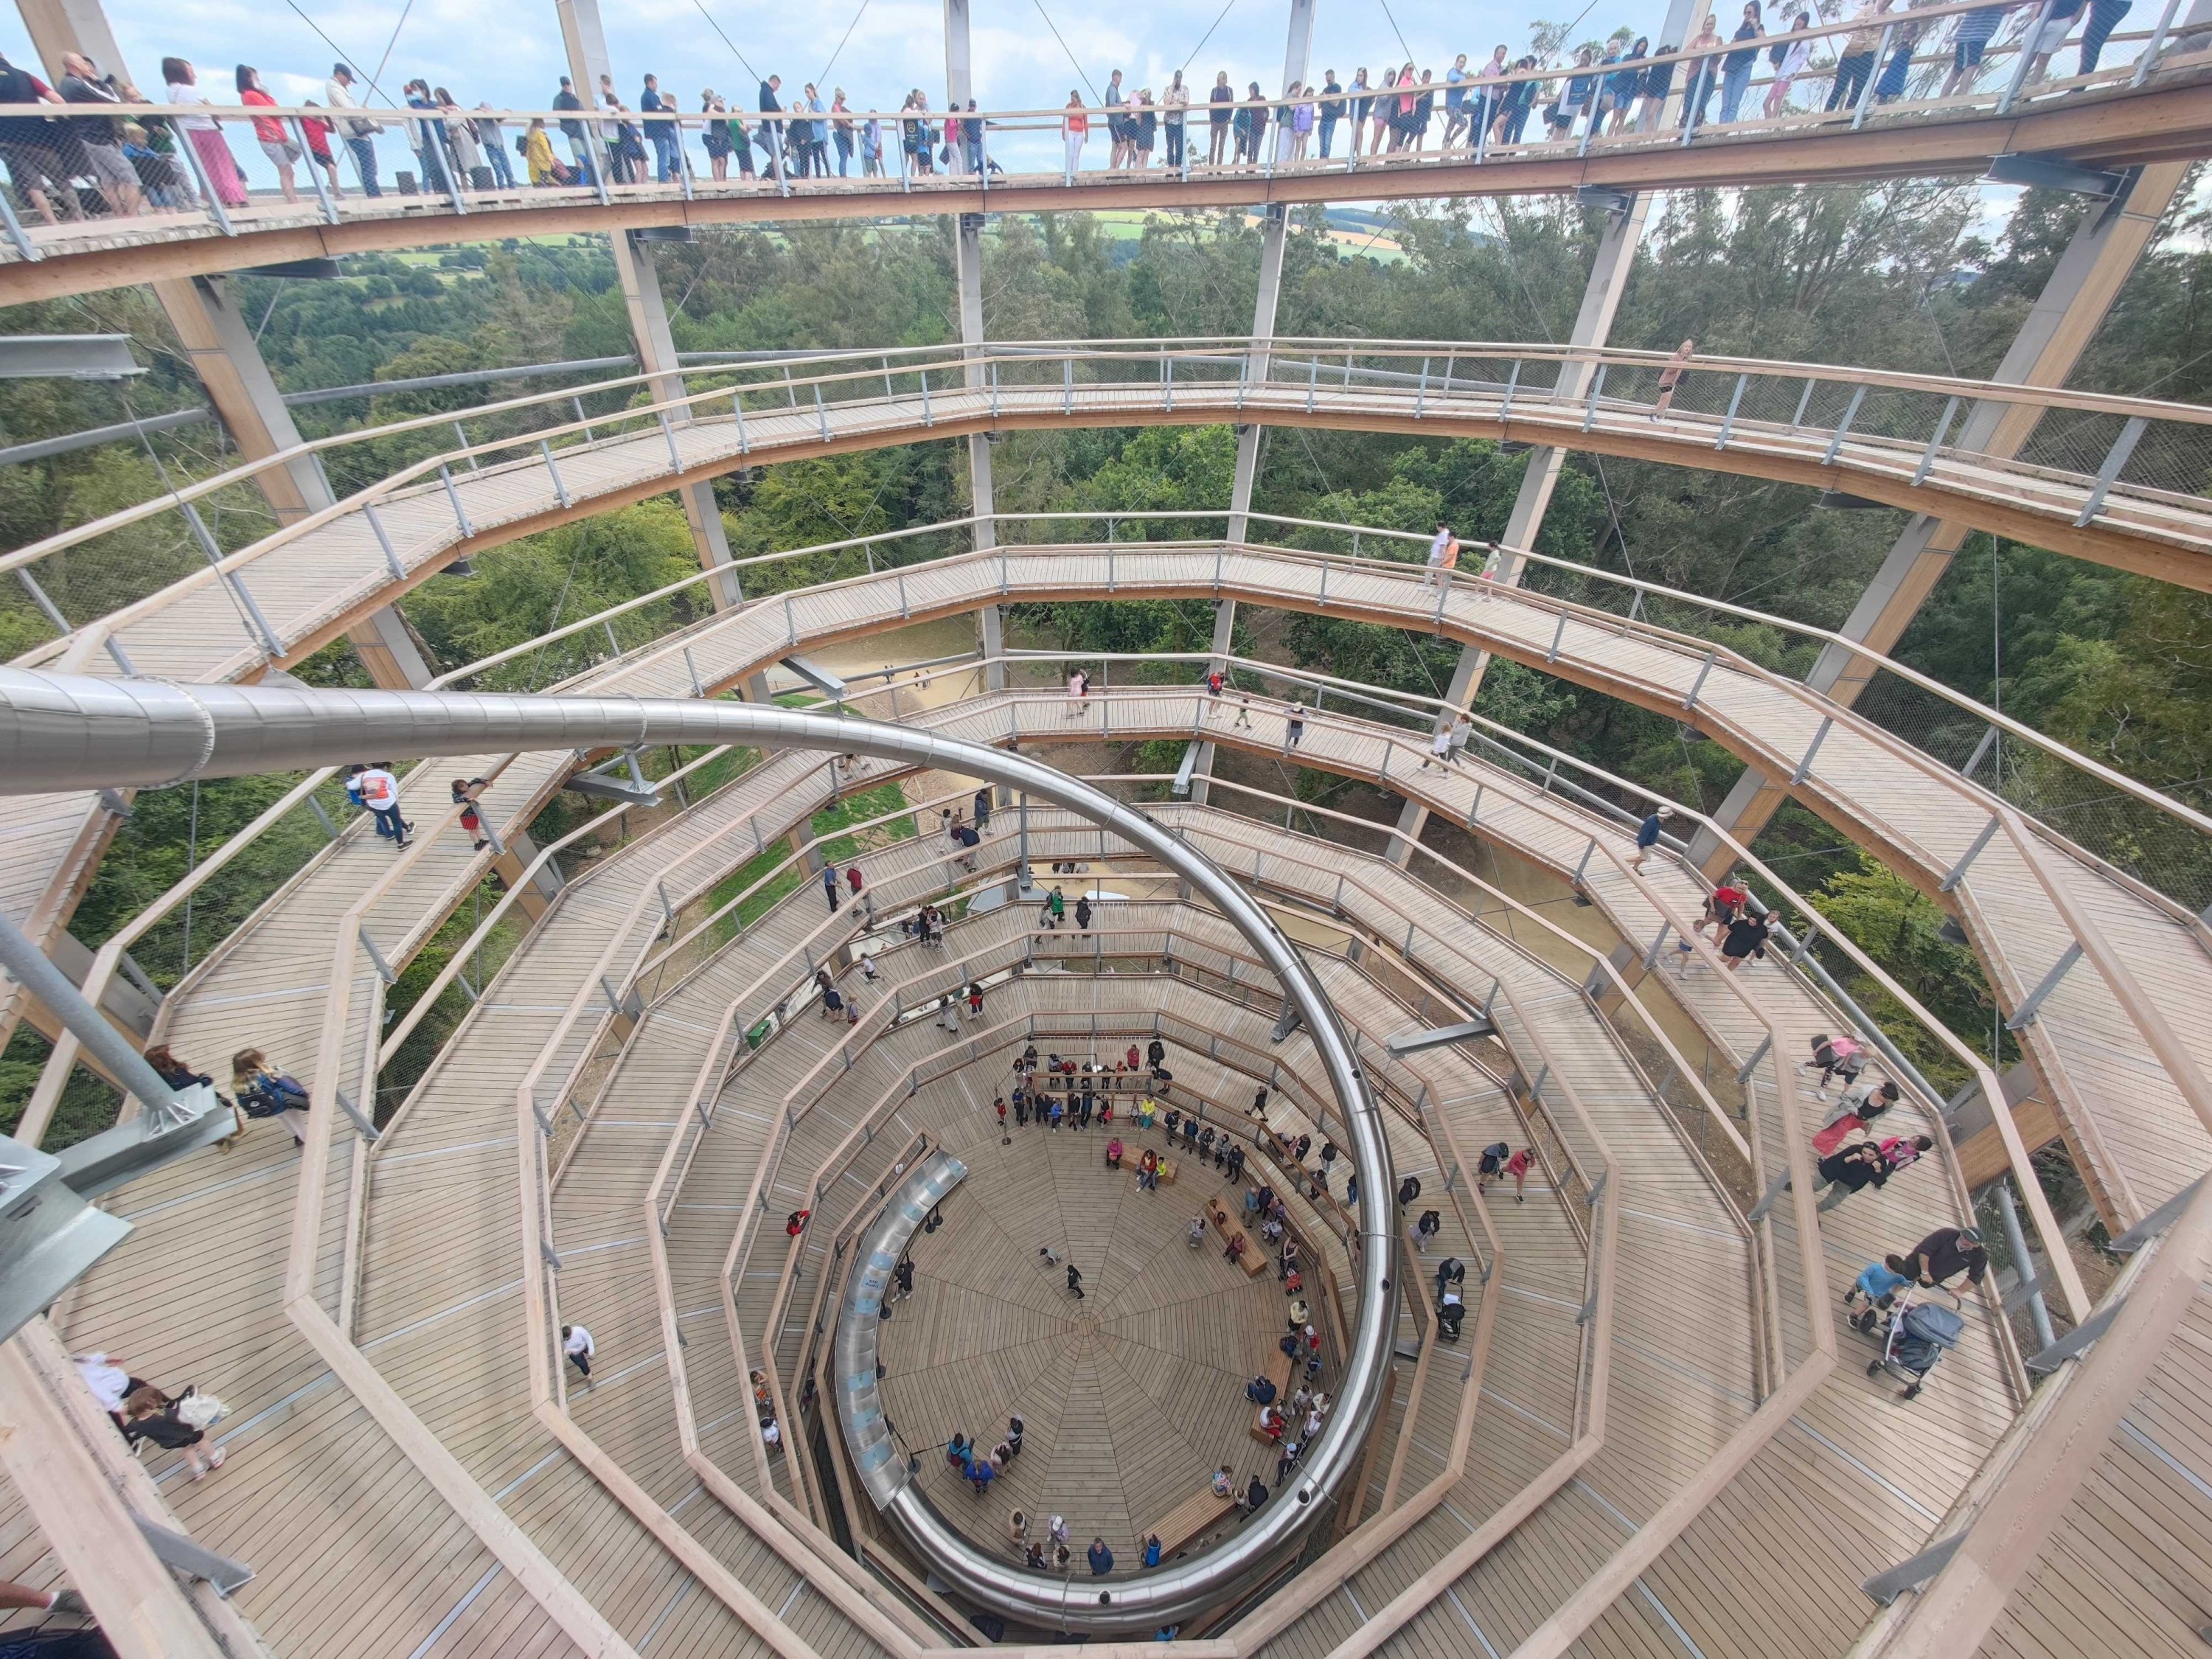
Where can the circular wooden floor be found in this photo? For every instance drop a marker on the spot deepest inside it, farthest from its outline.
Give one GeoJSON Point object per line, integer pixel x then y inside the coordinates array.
{"type": "Point", "coordinates": [1132, 1397]}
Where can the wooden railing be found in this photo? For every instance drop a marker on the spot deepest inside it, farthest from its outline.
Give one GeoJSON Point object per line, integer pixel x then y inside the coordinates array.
{"type": "Point", "coordinates": [2126, 470]}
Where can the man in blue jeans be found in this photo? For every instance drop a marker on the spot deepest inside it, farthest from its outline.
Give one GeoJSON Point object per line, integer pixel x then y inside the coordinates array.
{"type": "Point", "coordinates": [662, 133]}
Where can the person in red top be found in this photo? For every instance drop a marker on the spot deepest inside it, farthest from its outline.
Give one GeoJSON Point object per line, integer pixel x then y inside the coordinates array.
{"type": "Point", "coordinates": [317, 129]}
{"type": "Point", "coordinates": [1517, 1167]}
{"type": "Point", "coordinates": [279, 149]}
{"type": "Point", "coordinates": [1725, 904]}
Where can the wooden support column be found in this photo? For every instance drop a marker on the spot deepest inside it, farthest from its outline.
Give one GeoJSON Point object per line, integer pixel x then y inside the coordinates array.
{"type": "Point", "coordinates": [2103, 252]}
{"type": "Point", "coordinates": [1610, 268]}
{"type": "Point", "coordinates": [967, 273]}
{"type": "Point", "coordinates": [584, 40]}
{"type": "Point", "coordinates": [221, 346]}
{"type": "Point", "coordinates": [1298, 47]}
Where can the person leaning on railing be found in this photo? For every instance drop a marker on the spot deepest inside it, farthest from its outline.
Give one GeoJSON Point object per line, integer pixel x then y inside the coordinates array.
{"type": "Point", "coordinates": [356, 131]}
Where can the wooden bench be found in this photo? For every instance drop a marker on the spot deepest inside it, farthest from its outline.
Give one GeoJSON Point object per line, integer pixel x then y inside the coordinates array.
{"type": "Point", "coordinates": [1259, 1432]}
{"type": "Point", "coordinates": [1187, 1519]}
{"type": "Point", "coordinates": [1278, 1371]}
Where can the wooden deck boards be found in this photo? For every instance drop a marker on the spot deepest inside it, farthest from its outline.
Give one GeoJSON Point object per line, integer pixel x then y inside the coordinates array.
{"type": "Point", "coordinates": [264, 985]}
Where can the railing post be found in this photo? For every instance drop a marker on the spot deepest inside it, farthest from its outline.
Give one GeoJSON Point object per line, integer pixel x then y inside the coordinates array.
{"type": "Point", "coordinates": [314, 173]}
{"type": "Point", "coordinates": [1805, 766]}
{"type": "Point", "coordinates": [454, 499]}
{"type": "Point", "coordinates": [1874, 74]}
{"type": "Point", "coordinates": [2020, 70]}
{"type": "Point", "coordinates": [1690, 702]}
{"type": "Point", "coordinates": [207, 188]}
{"type": "Point", "coordinates": [24, 246]}
{"type": "Point", "coordinates": [1936, 441]}
{"type": "Point", "coordinates": [1727, 425]}
{"type": "Point", "coordinates": [2032, 1003]}
{"type": "Point", "coordinates": [1589, 408]}
{"type": "Point", "coordinates": [1958, 872]}
{"type": "Point", "coordinates": [2155, 45]}
{"type": "Point", "coordinates": [1559, 634]}
{"type": "Point", "coordinates": [39, 596]}
{"type": "Point", "coordinates": [560, 489]}
{"type": "Point", "coordinates": [384, 541]}
{"type": "Point", "coordinates": [1850, 414]}
{"type": "Point", "coordinates": [2122, 447]}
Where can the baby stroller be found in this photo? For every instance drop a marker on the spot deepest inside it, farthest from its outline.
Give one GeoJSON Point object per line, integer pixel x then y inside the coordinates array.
{"type": "Point", "coordinates": [1914, 1336]}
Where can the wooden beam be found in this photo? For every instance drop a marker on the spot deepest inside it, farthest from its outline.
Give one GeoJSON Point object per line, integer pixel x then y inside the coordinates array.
{"type": "Point", "coordinates": [141, 1610]}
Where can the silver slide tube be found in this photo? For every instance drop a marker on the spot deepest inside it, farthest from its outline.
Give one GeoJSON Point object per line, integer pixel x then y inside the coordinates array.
{"type": "Point", "coordinates": [79, 732]}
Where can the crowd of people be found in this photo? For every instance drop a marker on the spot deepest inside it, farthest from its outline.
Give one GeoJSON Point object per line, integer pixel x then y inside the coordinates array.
{"type": "Point", "coordinates": [66, 165]}
{"type": "Point", "coordinates": [1052, 1092]}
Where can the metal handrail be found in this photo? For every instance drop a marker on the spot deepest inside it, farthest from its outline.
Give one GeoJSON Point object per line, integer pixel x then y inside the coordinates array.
{"type": "Point", "coordinates": [321, 205]}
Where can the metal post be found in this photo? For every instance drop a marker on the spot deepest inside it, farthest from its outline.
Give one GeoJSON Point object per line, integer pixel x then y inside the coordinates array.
{"type": "Point", "coordinates": [38, 596]}
{"type": "Point", "coordinates": [1866, 91]}
{"type": "Point", "coordinates": [1727, 425]}
{"type": "Point", "coordinates": [16, 233]}
{"type": "Point", "coordinates": [2038, 1314]}
{"type": "Point", "coordinates": [1957, 872]}
{"type": "Point", "coordinates": [1690, 702]}
{"type": "Point", "coordinates": [1936, 441]}
{"type": "Point", "coordinates": [207, 188]}
{"type": "Point", "coordinates": [384, 540]}
{"type": "Point", "coordinates": [560, 489]}
{"type": "Point", "coordinates": [1850, 414]}
{"type": "Point", "coordinates": [2122, 447]}
{"type": "Point", "coordinates": [314, 174]}
{"type": "Point", "coordinates": [2020, 70]}
{"type": "Point", "coordinates": [453, 496]}
{"type": "Point", "coordinates": [1597, 386]}
{"type": "Point", "coordinates": [1805, 766]}
{"type": "Point", "coordinates": [2155, 45]}
{"type": "Point", "coordinates": [2032, 1003]}
{"type": "Point", "coordinates": [30, 967]}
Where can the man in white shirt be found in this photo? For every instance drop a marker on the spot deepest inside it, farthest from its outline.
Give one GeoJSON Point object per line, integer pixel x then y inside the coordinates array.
{"type": "Point", "coordinates": [380, 792]}
{"type": "Point", "coordinates": [576, 1343]}
{"type": "Point", "coordinates": [358, 131]}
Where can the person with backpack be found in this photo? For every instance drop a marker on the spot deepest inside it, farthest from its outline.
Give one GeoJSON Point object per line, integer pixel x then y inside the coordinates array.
{"type": "Point", "coordinates": [262, 1091]}
{"type": "Point", "coordinates": [1449, 1271]}
{"type": "Point", "coordinates": [379, 794]}
{"type": "Point", "coordinates": [1425, 1230]}
{"type": "Point", "coordinates": [1835, 1056]}
{"type": "Point", "coordinates": [1855, 1168]}
{"type": "Point", "coordinates": [466, 792]}
{"type": "Point", "coordinates": [1081, 912]}
{"type": "Point", "coordinates": [1492, 1162]}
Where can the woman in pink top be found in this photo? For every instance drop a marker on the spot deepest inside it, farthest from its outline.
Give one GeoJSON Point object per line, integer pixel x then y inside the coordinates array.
{"type": "Point", "coordinates": [204, 133]}
{"type": "Point", "coordinates": [1517, 1167]}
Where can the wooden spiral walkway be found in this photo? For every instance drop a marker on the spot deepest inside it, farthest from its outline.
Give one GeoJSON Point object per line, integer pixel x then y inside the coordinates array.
{"type": "Point", "coordinates": [293, 1418]}
{"type": "Point", "coordinates": [2133, 1136]}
